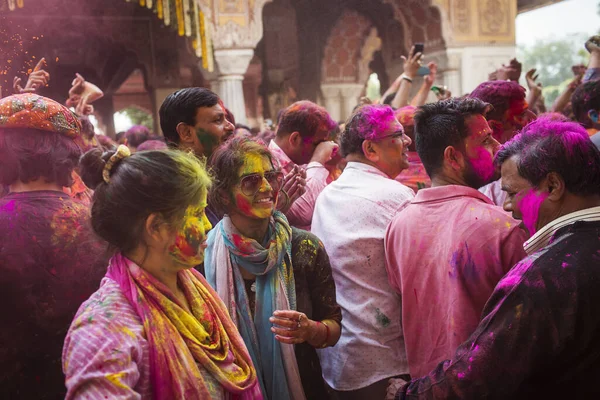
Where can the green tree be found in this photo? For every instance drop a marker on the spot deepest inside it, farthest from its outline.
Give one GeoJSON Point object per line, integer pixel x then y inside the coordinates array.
{"type": "Point", "coordinates": [553, 59]}
{"type": "Point", "coordinates": [139, 117]}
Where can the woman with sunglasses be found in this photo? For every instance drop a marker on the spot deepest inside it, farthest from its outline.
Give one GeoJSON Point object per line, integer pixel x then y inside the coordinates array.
{"type": "Point", "coordinates": [275, 280]}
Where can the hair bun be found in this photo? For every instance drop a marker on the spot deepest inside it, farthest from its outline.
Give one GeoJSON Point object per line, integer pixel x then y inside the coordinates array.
{"type": "Point", "coordinates": [91, 166]}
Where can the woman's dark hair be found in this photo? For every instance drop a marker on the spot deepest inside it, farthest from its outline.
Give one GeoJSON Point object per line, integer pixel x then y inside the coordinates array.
{"type": "Point", "coordinates": [225, 164]}
{"type": "Point", "coordinates": [548, 145]}
{"type": "Point", "coordinates": [442, 124]}
{"type": "Point", "coordinates": [182, 106]}
{"type": "Point", "coordinates": [164, 182]}
{"type": "Point", "coordinates": [28, 154]}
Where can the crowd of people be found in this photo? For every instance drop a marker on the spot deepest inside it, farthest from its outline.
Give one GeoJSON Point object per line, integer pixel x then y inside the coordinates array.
{"type": "Point", "coordinates": [441, 250]}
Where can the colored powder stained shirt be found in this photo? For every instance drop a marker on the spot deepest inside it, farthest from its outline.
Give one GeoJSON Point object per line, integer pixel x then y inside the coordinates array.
{"type": "Point", "coordinates": [106, 354]}
{"type": "Point", "coordinates": [445, 252]}
{"type": "Point", "coordinates": [315, 297]}
{"type": "Point", "coordinates": [301, 212]}
{"type": "Point", "coordinates": [539, 333]}
{"type": "Point", "coordinates": [415, 176]}
{"type": "Point", "coordinates": [50, 263]}
{"type": "Point", "coordinates": [494, 192]}
{"type": "Point", "coordinates": [351, 217]}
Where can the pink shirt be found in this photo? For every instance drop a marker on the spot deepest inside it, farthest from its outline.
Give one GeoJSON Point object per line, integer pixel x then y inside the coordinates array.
{"type": "Point", "coordinates": [301, 213]}
{"type": "Point", "coordinates": [445, 253]}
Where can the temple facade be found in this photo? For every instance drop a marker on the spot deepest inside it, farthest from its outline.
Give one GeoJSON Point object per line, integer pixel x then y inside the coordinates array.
{"type": "Point", "coordinates": [259, 55]}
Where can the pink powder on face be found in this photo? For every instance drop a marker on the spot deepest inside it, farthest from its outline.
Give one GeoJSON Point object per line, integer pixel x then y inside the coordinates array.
{"type": "Point", "coordinates": [483, 165]}
{"type": "Point", "coordinates": [529, 206]}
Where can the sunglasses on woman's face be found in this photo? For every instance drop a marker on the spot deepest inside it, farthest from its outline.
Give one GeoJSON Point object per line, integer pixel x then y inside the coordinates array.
{"type": "Point", "coordinates": [250, 184]}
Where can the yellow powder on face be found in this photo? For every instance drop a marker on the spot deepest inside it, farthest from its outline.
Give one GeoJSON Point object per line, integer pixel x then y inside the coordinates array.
{"type": "Point", "coordinates": [186, 249]}
{"type": "Point", "coordinates": [253, 164]}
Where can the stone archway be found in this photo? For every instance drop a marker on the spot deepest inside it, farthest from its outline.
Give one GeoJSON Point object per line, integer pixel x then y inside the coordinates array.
{"type": "Point", "coordinates": [345, 66]}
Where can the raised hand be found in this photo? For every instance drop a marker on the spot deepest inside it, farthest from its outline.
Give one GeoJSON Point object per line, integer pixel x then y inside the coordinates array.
{"type": "Point", "coordinates": [82, 94]}
{"type": "Point", "coordinates": [412, 63]}
{"type": "Point", "coordinates": [531, 78]}
{"type": "Point", "coordinates": [324, 152]}
{"type": "Point", "coordinates": [430, 79]}
{"type": "Point", "coordinates": [37, 79]}
{"type": "Point", "coordinates": [294, 186]}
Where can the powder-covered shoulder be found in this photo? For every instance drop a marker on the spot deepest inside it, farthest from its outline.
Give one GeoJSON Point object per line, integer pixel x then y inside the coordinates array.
{"type": "Point", "coordinates": [495, 215]}
{"type": "Point", "coordinates": [105, 351]}
{"type": "Point", "coordinates": [305, 238]}
{"type": "Point", "coordinates": [107, 304]}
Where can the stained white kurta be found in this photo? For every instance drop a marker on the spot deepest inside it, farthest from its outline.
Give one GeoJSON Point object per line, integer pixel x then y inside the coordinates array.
{"type": "Point", "coordinates": [351, 217]}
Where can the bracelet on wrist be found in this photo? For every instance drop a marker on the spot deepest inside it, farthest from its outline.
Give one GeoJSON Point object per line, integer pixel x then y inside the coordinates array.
{"type": "Point", "coordinates": [326, 341]}
{"type": "Point", "coordinates": [406, 78]}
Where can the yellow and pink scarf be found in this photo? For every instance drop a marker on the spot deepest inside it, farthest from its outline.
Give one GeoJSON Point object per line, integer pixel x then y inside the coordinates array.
{"type": "Point", "coordinates": [182, 343]}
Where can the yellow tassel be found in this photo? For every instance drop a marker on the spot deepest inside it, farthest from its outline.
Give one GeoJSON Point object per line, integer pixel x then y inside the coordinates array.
{"type": "Point", "coordinates": [167, 11]}
{"type": "Point", "coordinates": [209, 52]}
{"type": "Point", "coordinates": [187, 18]}
{"type": "Point", "coordinates": [143, 3]}
{"type": "Point", "coordinates": [20, 3]}
{"type": "Point", "coordinates": [204, 44]}
{"type": "Point", "coordinates": [159, 9]}
{"type": "Point", "coordinates": [180, 23]}
{"type": "Point", "coordinates": [198, 39]}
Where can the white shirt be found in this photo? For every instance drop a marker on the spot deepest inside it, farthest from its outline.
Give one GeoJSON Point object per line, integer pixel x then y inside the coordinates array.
{"type": "Point", "coordinates": [351, 217]}
{"type": "Point", "coordinates": [494, 192]}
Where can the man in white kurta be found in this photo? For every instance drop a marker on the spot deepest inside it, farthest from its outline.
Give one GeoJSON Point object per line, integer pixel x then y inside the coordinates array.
{"type": "Point", "coordinates": [351, 217]}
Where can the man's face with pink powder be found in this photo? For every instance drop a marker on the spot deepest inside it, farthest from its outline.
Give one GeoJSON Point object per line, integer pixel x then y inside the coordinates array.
{"type": "Point", "coordinates": [480, 147]}
{"type": "Point", "coordinates": [522, 199]}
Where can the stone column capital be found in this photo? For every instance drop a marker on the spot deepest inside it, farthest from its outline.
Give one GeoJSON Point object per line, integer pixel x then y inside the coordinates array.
{"type": "Point", "coordinates": [229, 33]}
{"type": "Point", "coordinates": [233, 61]}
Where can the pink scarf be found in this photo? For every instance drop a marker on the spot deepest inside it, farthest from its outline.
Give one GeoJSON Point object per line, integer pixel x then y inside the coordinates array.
{"type": "Point", "coordinates": [182, 343]}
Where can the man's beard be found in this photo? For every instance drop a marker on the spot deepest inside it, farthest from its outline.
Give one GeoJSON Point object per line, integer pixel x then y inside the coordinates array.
{"type": "Point", "coordinates": [473, 180]}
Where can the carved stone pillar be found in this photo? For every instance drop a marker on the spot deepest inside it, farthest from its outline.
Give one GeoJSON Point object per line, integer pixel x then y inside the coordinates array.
{"type": "Point", "coordinates": [233, 64]}
{"type": "Point", "coordinates": [333, 100]}
{"type": "Point", "coordinates": [236, 27]}
{"type": "Point", "coordinates": [350, 94]}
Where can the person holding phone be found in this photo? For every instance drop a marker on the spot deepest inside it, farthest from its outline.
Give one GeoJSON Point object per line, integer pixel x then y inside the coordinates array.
{"type": "Point", "coordinates": [402, 85]}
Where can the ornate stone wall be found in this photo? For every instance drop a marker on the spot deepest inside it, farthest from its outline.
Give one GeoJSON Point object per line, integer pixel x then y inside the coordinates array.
{"type": "Point", "coordinates": [342, 51]}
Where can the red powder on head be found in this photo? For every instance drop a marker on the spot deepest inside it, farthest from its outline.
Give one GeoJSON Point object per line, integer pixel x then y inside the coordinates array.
{"type": "Point", "coordinates": [530, 208]}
